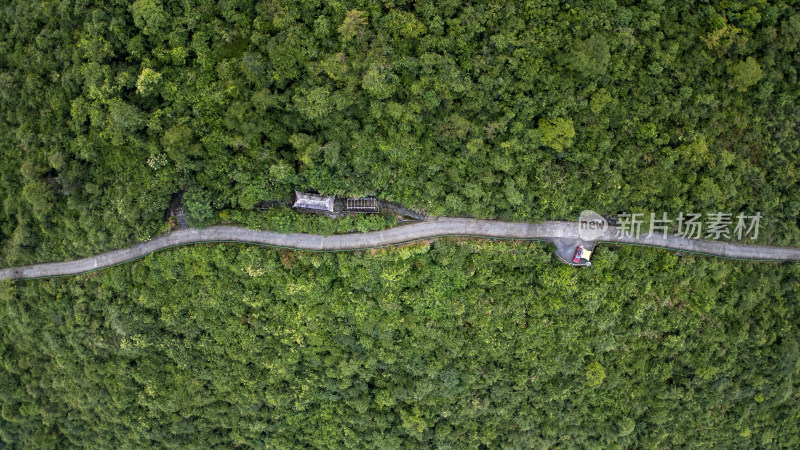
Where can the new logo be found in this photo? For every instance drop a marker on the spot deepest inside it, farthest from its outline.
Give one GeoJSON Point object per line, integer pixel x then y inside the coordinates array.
{"type": "Point", "coordinates": [591, 225]}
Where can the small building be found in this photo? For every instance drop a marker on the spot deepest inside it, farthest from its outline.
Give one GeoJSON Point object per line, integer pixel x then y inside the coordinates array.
{"type": "Point", "coordinates": [313, 202]}
{"type": "Point", "coordinates": [362, 205]}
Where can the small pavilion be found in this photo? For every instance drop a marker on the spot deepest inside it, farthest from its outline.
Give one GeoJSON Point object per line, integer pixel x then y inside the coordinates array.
{"type": "Point", "coordinates": [313, 202]}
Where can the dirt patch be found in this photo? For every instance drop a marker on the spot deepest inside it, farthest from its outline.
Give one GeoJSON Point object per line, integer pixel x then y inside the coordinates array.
{"type": "Point", "coordinates": [288, 258]}
{"type": "Point", "coordinates": [379, 250]}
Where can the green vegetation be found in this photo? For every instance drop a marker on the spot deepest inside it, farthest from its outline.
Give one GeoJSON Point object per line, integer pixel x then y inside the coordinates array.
{"type": "Point", "coordinates": [517, 110]}
{"type": "Point", "coordinates": [286, 220]}
{"type": "Point", "coordinates": [457, 344]}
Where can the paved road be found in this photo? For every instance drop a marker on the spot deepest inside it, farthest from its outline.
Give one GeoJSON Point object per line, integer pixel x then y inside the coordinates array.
{"type": "Point", "coordinates": [557, 232]}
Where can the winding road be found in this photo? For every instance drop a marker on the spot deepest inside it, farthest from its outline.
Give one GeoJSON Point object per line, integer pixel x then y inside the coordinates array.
{"type": "Point", "coordinates": [563, 234]}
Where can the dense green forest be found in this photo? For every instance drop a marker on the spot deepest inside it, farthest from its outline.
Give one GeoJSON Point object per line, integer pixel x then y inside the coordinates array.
{"type": "Point", "coordinates": [517, 110]}
{"type": "Point", "coordinates": [455, 344]}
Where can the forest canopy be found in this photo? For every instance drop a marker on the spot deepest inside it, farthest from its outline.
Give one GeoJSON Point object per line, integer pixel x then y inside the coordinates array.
{"type": "Point", "coordinates": [455, 344]}
{"type": "Point", "coordinates": [515, 110]}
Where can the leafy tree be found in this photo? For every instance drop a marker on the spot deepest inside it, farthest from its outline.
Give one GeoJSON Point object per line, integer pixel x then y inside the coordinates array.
{"type": "Point", "coordinates": [315, 104]}
{"type": "Point", "coordinates": [600, 99]}
{"type": "Point", "coordinates": [353, 25]}
{"type": "Point", "coordinates": [591, 56]}
{"type": "Point", "coordinates": [379, 82]}
{"type": "Point", "coordinates": [149, 16]}
{"type": "Point", "coordinates": [148, 82]}
{"type": "Point", "coordinates": [746, 74]}
{"type": "Point", "coordinates": [557, 133]}
{"type": "Point", "coordinates": [403, 24]}
{"type": "Point", "coordinates": [199, 212]}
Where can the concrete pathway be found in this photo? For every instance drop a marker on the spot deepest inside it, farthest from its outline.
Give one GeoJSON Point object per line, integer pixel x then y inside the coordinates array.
{"type": "Point", "coordinates": [564, 234]}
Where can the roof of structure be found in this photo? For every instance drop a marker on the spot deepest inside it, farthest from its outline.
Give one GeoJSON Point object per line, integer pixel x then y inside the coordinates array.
{"type": "Point", "coordinates": [313, 201]}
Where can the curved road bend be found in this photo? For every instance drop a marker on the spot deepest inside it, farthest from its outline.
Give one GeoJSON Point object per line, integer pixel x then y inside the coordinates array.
{"type": "Point", "coordinates": [557, 232]}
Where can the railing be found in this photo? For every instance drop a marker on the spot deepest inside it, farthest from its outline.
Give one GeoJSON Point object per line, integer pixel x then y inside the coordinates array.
{"type": "Point", "coordinates": [368, 204]}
